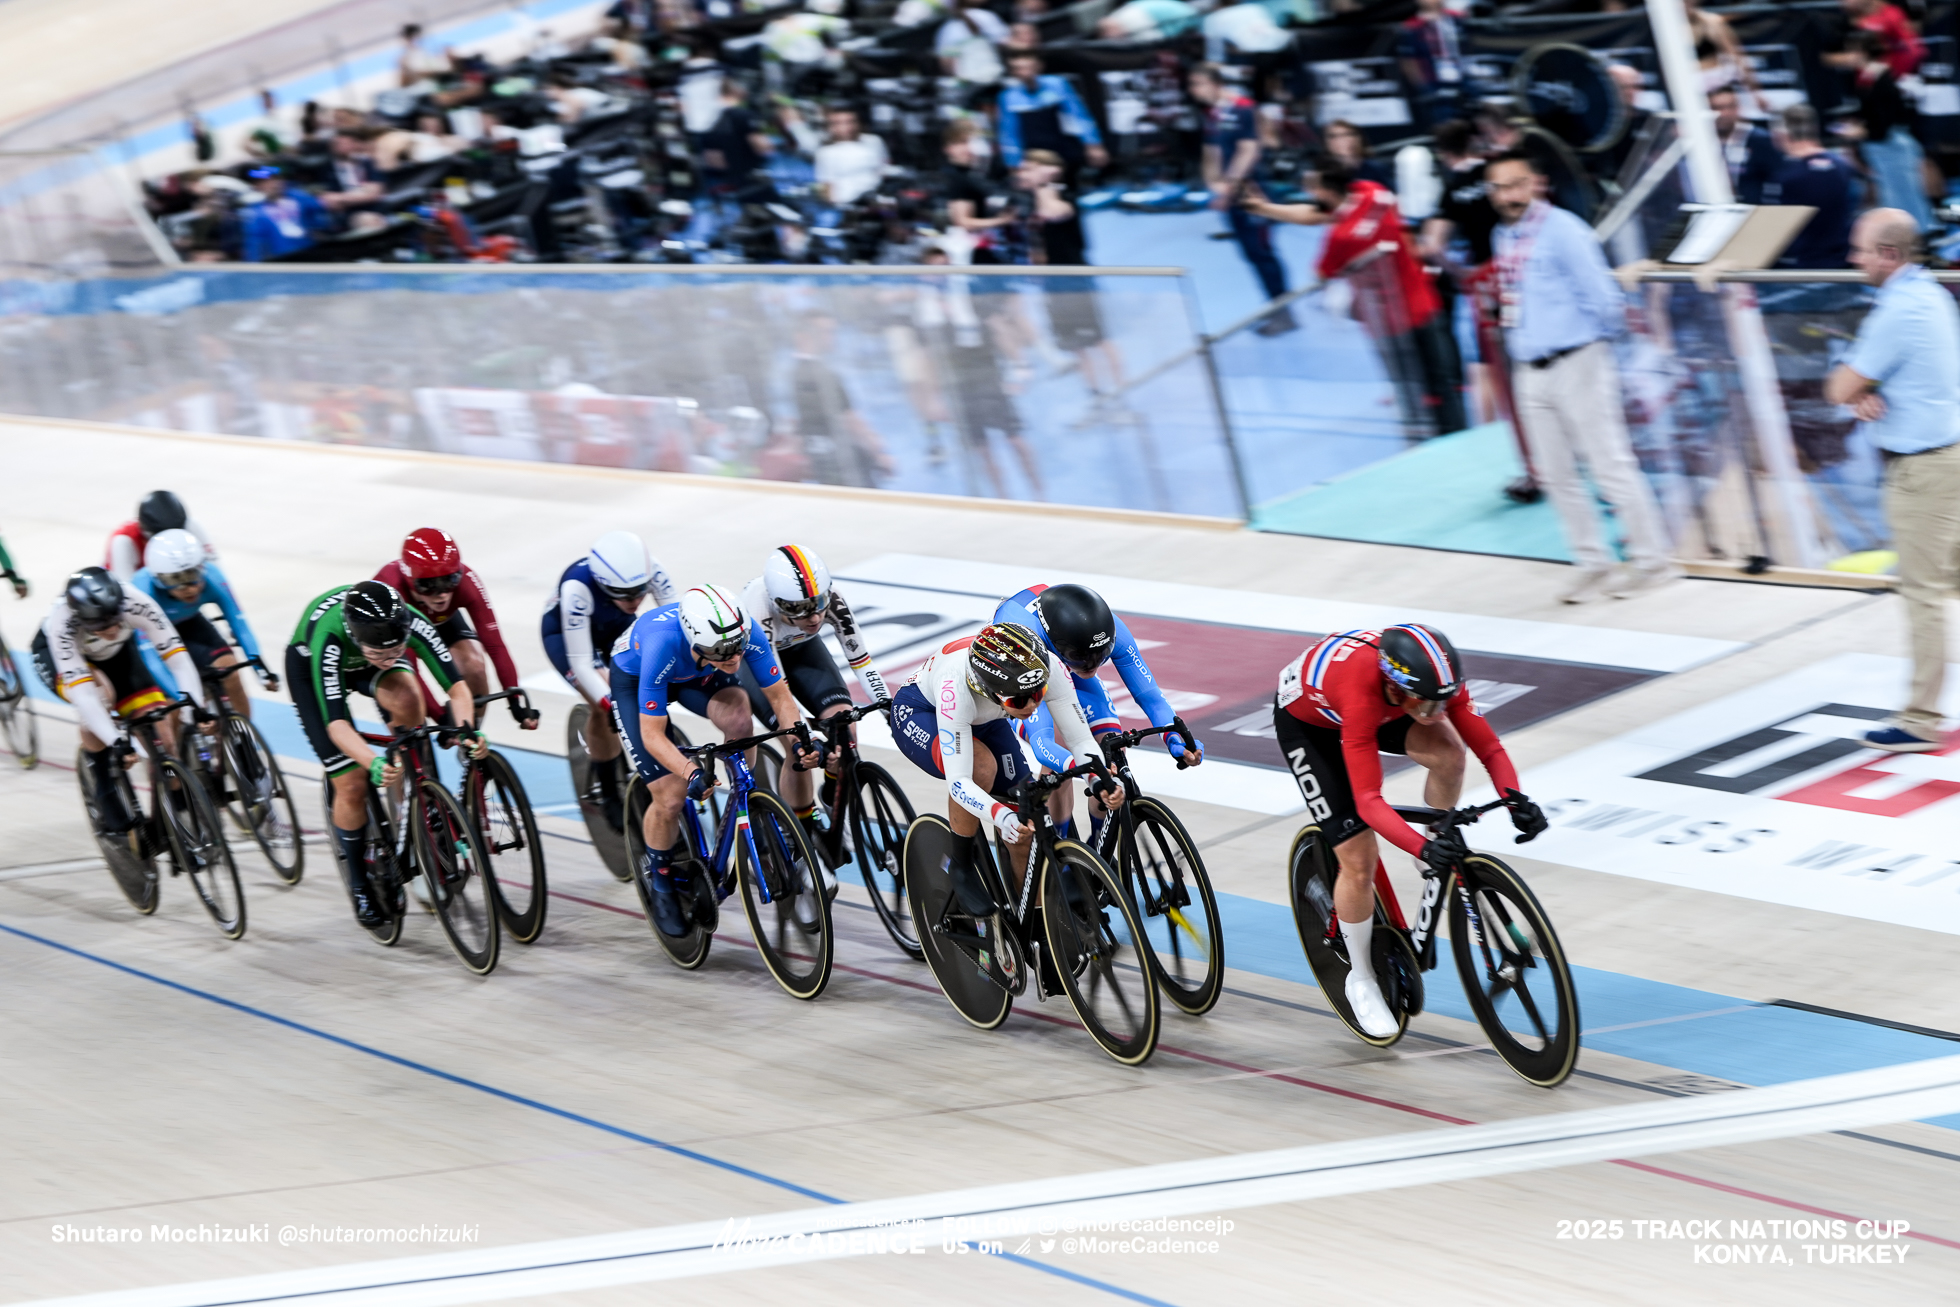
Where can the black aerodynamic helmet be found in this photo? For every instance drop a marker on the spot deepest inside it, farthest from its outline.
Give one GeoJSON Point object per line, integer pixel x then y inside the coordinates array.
{"type": "Point", "coordinates": [1421, 660]}
{"type": "Point", "coordinates": [1080, 627]}
{"type": "Point", "coordinates": [161, 511]}
{"type": "Point", "coordinates": [375, 615]}
{"type": "Point", "coordinates": [95, 597]}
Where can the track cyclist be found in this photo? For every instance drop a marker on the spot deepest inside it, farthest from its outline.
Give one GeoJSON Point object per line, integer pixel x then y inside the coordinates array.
{"type": "Point", "coordinates": [160, 511]}
{"type": "Point", "coordinates": [86, 653]}
{"type": "Point", "coordinates": [1077, 626]}
{"type": "Point", "coordinates": [1349, 699]}
{"type": "Point", "coordinates": [793, 600]}
{"type": "Point", "coordinates": [597, 599]}
{"type": "Point", "coordinates": [686, 653]}
{"type": "Point", "coordinates": [432, 578]}
{"type": "Point", "coordinates": [363, 639]}
{"type": "Point", "coordinates": [180, 577]}
{"type": "Point", "coordinates": [955, 719]}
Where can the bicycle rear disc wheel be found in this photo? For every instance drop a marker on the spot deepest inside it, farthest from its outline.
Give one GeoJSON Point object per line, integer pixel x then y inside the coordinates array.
{"type": "Point", "coordinates": [450, 855]}
{"type": "Point", "coordinates": [607, 842]}
{"type": "Point", "coordinates": [263, 799]}
{"type": "Point", "coordinates": [135, 876]}
{"type": "Point", "coordinates": [17, 722]}
{"type": "Point", "coordinates": [880, 816]}
{"type": "Point", "coordinates": [196, 836]}
{"type": "Point", "coordinates": [793, 930]}
{"type": "Point", "coordinates": [768, 768]}
{"type": "Point", "coordinates": [1514, 971]}
{"type": "Point", "coordinates": [688, 950]}
{"type": "Point", "coordinates": [1171, 892]}
{"type": "Point", "coordinates": [502, 813]}
{"type": "Point", "coordinates": [1312, 861]}
{"type": "Point", "coordinates": [1097, 947]}
{"type": "Point", "coordinates": [977, 999]}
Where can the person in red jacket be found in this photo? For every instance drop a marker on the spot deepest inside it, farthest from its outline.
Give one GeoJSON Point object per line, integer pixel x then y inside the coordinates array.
{"type": "Point", "coordinates": [431, 576]}
{"type": "Point", "coordinates": [1342, 704]}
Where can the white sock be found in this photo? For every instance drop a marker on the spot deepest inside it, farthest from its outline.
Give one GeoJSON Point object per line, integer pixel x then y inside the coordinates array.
{"type": "Point", "coordinates": [1360, 937]}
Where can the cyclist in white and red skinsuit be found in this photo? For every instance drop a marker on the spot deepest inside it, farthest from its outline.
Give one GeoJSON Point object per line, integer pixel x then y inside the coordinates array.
{"type": "Point", "coordinates": [1349, 699]}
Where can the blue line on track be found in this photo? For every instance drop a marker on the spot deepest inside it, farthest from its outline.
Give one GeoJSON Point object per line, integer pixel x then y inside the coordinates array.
{"type": "Point", "coordinates": [522, 1101]}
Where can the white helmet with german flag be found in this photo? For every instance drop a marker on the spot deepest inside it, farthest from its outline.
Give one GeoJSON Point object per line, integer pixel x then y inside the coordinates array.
{"type": "Point", "coordinates": [797, 581]}
{"type": "Point", "coordinates": [714, 623]}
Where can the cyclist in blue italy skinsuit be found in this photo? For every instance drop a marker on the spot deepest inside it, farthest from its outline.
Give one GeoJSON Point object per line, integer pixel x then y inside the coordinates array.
{"type": "Point", "coordinates": [1079, 628]}
{"type": "Point", "coordinates": [687, 653]}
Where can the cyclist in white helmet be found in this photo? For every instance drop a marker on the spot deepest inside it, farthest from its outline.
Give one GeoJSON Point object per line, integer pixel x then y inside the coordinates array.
{"type": "Point", "coordinates": [595, 603]}
{"type": "Point", "coordinates": [793, 601]}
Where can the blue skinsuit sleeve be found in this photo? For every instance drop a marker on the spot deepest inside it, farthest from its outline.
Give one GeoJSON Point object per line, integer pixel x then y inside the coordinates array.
{"type": "Point", "coordinates": [1142, 686]}
{"type": "Point", "coordinates": [234, 616]}
{"type": "Point", "coordinates": [652, 675]}
{"type": "Point", "coordinates": [761, 658]}
{"type": "Point", "coordinates": [1039, 732]}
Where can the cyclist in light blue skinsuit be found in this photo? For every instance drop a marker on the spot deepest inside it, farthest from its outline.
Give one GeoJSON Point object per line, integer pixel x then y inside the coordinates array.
{"type": "Point", "coordinates": [1075, 623]}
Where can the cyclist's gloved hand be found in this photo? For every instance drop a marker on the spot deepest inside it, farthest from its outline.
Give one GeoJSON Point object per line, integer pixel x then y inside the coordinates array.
{"type": "Point", "coordinates": [527, 718]}
{"type": "Point", "coordinates": [378, 772]}
{"type": "Point", "coordinates": [699, 782]}
{"type": "Point", "coordinates": [1190, 757]}
{"type": "Point", "coordinates": [123, 747]}
{"type": "Point", "coordinates": [475, 741]}
{"type": "Point", "coordinates": [1527, 816]}
{"type": "Point", "coordinates": [1009, 825]}
{"type": "Point", "coordinates": [1446, 852]}
{"type": "Point", "coordinates": [1109, 791]}
{"type": "Point", "coordinates": [604, 706]}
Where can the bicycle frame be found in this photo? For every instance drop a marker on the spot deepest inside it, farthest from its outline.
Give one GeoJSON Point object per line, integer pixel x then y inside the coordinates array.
{"type": "Point", "coordinates": [741, 782]}
{"type": "Point", "coordinates": [1116, 748]}
{"type": "Point", "coordinates": [1430, 912]}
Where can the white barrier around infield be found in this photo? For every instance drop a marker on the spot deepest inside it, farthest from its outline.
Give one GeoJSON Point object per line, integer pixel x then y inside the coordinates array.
{"type": "Point", "coordinates": [1177, 1189]}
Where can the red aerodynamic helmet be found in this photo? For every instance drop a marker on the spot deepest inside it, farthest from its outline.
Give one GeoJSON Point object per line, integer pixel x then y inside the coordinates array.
{"type": "Point", "coordinates": [430, 553]}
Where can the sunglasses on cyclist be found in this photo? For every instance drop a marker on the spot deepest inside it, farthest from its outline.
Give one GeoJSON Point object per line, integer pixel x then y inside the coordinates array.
{"type": "Point", "coordinates": [722, 651]}
{"type": "Point", "coordinates": [385, 653]}
{"type": "Point", "coordinates": [437, 585]}
{"type": "Point", "coordinates": [97, 625]}
{"type": "Point", "coordinates": [178, 580]}
{"type": "Point", "coordinates": [623, 594]}
{"type": "Point", "coordinates": [1023, 702]}
{"type": "Point", "coordinates": [799, 608]}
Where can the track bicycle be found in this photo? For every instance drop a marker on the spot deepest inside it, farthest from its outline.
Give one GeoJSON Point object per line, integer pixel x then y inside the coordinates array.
{"type": "Point", "coordinates": [182, 824]}
{"type": "Point", "coordinates": [17, 721]}
{"type": "Point", "coordinates": [1159, 866]}
{"type": "Point", "coordinates": [494, 797]}
{"type": "Point", "coordinates": [432, 838]}
{"type": "Point", "coordinates": [1508, 957]}
{"type": "Point", "coordinates": [867, 827]}
{"type": "Point", "coordinates": [1071, 924]}
{"type": "Point", "coordinates": [610, 843]}
{"type": "Point", "coordinates": [759, 846]}
{"type": "Point", "coordinates": [243, 778]}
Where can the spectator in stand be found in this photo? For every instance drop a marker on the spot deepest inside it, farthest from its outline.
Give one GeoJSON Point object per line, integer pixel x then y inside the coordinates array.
{"type": "Point", "coordinates": [1883, 129]}
{"type": "Point", "coordinates": [974, 208]}
{"type": "Point", "coordinates": [1747, 148]}
{"type": "Point", "coordinates": [1074, 314]}
{"type": "Point", "coordinates": [851, 163]}
{"type": "Point", "coordinates": [960, 336]}
{"type": "Point", "coordinates": [1241, 27]}
{"type": "Point", "coordinates": [1720, 54]}
{"type": "Point", "coordinates": [417, 65]}
{"type": "Point", "coordinates": [734, 149]}
{"type": "Point", "coordinates": [1457, 240]}
{"type": "Point", "coordinates": [1430, 47]}
{"type": "Point", "coordinates": [272, 133]}
{"type": "Point", "coordinates": [1811, 175]}
{"type": "Point", "coordinates": [283, 221]}
{"type": "Point", "coordinates": [632, 20]}
{"type": "Point", "coordinates": [1149, 20]}
{"type": "Point", "coordinates": [356, 177]}
{"type": "Point", "coordinates": [1344, 141]}
{"type": "Point", "coordinates": [1903, 50]}
{"type": "Point", "coordinates": [1041, 111]}
{"type": "Point", "coordinates": [1231, 157]}
{"type": "Point", "coordinates": [1631, 83]}
{"type": "Point", "coordinates": [1902, 379]}
{"type": "Point", "coordinates": [1560, 310]}
{"type": "Point", "coordinates": [431, 140]}
{"type": "Point", "coordinates": [968, 43]}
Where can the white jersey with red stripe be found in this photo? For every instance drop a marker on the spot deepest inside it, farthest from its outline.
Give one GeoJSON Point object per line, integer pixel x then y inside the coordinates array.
{"type": "Point", "coordinates": [942, 679]}
{"type": "Point", "coordinates": [785, 634]}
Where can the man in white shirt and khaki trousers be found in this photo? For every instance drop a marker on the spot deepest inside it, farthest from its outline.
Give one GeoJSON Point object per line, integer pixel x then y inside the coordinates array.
{"type": "Point", "coordinates": [1560, 310]}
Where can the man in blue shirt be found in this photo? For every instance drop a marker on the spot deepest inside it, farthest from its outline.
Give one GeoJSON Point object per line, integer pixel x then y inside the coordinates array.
{"type": "Point", "coordinates": [686, 653]}
{"type": "Point", "coordinates": [1902, 378]}
{"type": "Point", "coordinates": [1811, 175]}
{"type": "Point", "coordinates": [284, 221]}
{"type": "Point", "coordinates": [1041, 111]}
{"type": "Point", "coordinates": [1560, 309]}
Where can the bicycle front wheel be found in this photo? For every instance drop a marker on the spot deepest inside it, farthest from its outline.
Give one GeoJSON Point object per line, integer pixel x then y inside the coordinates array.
{"type": "Point", "coordinates": [196, 840]}
{"type": "Point", "coordinates": [449, 854]}
{"type": "Point", "coordinates": [502, 813]}
{"type": "Point", "coordinates": [1172, 895]}
{"type": "Point", "coordinates": [783, 895]}
{"type": "Point", "coordinates": [973, 993]}
{"type": "Point", "coordinates": [1514, 971]}
{"type": "Point", "coordinates": [1096, 945]}
{"type": "Point", "coordinates": [17, 723]}
{"type": "Point", "coordinates": [880, 816]}
{"type": "Point", "coordinates": [135, 875]}
{"type": "Point", "coordinates": [264, 803]}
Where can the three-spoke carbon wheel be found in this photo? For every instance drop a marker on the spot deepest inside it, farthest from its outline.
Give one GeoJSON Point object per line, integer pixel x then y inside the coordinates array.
{"type": "Point", "coordinates": [1096, 945]}
{"type": "Point", "coordinates": [456, 871]}
{"type": "Point", "coordinates": [1172, 894]}
{"type": "Point", "coordinates": [793, 927]}
{"type": "Point", "coordinates": [974, 995]}
{"type": "Point", "coordinates": [502, 814]}
{"type": "Point", "coordinates": [1514, 971]}
{"type": "Point", "coordinates": [195, 840]}
{"type": "Point", "coordinates": [879, 820]}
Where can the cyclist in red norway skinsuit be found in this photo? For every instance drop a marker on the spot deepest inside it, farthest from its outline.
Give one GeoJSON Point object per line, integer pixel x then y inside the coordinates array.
{"type": "Point", "coordinates": [1350, 698]}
